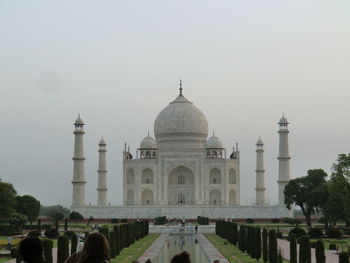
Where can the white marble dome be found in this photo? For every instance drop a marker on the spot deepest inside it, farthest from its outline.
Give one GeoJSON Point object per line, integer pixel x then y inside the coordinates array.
{"type": "Point", "coordinates": [214, 143]}
{"type": "Point", "coordinates": [181, 121]}
{"type": "Point", "coordinates": [148, 143]}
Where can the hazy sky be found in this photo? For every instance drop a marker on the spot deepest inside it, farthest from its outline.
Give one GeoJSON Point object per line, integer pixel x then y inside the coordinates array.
{"type": "Point", "coordinates": [118, 63]}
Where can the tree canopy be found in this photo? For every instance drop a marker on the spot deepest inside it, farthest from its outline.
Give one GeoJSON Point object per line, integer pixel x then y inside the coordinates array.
{"type": "Point", "coordinates": [308, 192]}
{"type": "Point", "coordinates": [29, 206]}
{"type": "Point", "coordinates": [7, 199]}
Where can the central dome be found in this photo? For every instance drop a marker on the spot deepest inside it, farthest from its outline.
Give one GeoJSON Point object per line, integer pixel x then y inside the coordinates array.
{"type": "Point", "coordinates": [183, 123]}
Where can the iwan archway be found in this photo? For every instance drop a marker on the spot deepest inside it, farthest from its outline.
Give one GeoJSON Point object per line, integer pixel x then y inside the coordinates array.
{"type": "Point", "coordinates": [181, 188]}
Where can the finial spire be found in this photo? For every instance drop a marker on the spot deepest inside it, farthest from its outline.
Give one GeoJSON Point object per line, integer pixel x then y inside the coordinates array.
{"type": "Point", "coordinates": [180, 86]}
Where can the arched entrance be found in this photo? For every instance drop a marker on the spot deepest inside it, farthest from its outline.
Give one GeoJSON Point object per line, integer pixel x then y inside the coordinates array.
{"type": "Point", "coordinates": [181, 186]}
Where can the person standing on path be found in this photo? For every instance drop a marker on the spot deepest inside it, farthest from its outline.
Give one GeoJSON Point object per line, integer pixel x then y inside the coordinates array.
{"type": "Point", "coordinates": [9, 242]}
{"type": "Point", "coordinates": [196, 228]}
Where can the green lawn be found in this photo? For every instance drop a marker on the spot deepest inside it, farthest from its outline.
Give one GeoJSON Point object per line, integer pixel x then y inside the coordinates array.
{"type": "Point", "coordinates": [230, 252]}
{"type": "Point", "coordinates": [4, 259]}
{"type": "Point", "coordinates": [133, 252]}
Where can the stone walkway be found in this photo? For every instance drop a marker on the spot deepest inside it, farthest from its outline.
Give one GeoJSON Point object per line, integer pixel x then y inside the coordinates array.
{"type": "Point", "coordinates": [54, 257]}
{"type": "Point", "coordinates": [154, 249]}
{"type": "Point", "coordinates": [210, 250]}
{"type": "Point", "coordinates": [331, 256]}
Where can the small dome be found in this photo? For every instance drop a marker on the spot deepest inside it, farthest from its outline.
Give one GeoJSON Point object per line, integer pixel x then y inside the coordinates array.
{"type": "Point", "coordinates": [79, 121]}
{"type": "Point", "coordinates": [102, 142]}
{"type": "Point", "coordinates": [259, 142]}
{"type": "Point", "coordinates": [283, 120]}
{"type": "Point", "coordinates": [214, 143]}
{"type": "Point", "coordinates": [148, 143]}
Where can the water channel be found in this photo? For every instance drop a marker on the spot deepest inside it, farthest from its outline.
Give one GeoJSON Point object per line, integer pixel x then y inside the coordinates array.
{"type": "Point", "coordinates": [175, 244]}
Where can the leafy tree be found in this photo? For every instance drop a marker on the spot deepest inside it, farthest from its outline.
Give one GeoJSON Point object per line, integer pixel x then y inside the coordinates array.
{"type": "Point", "coordinates": [7, 199]}
{"type": "Point", "coordinates": [17, 219]}
{"type": "Point", "coordinates": [308, 192]}
{"type": "Point", "coordinates": [75, 216]}
{"type": "Point", "coordinates": [56, 212]}
{"type": "Point", "coordinates": [29, 206]}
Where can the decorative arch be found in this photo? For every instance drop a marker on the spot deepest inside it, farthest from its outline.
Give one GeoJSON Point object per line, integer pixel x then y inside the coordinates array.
{"type": "Point", "coordinates": [215, 197]}
{"type": "Point", "coordinates": [130, 197]}
{"type": "Point", "coordinates": [181, 186]}
{"type": "Point", "coordinates": [147, 176]}
{"type": "Point", "coordinates": [232, 176]}
{"type": "Point", "coordinates": [147, 197]}
{"type": "Point", "coordinates": [215, 176]}
{"type": "Point", "coordinates": [232, 197]}
{"type": "Point", "coordinates": [130, 177]}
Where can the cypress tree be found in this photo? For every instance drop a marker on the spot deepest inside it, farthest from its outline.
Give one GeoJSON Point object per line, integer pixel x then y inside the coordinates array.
{"type": "Point", "coordinates": [117, 240]}
{"type": "Point", "coordinates": [293, 248]}
{"type": "Point", "coordinates": [258, 243]}
{"type": "Point", "coordinates": [304, 249]}
{"type": "Point", "coordinates": [235, 233]}
{"type": "Point", "coordinates": [62, 248]}
{"type": "Point", "coordinates": [47, 245]}
{"type": "Point", "coordinates": [272, 246]}
{"type": "Point", "coordinates": [39, 225]}
{"type": "Point", "coordinates": [112, 245]}
{"type": "Point", "coordinates": [320, 255]}
{"type": "Point", "coordinates": [74, 243]}
{"type": "Point", "coordinates": [65, 224]}
{"type": "Point", "coordinates": [265, 246]}
{"type": "Point", "coordinates": [245, 238]}
{"type": "Point", "coordinates": [343, 257]}
{"type": "Point", "coordinates": [280, 257]}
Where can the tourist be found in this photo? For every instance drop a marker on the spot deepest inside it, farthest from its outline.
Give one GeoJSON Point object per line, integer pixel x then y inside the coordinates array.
{"type": "Point", "coordinates": [9, 242]}
{"type": "Point", "coordinates": [182, 257]}
{"type": "Point", "coordinates": [95, 250]}
{"type": "Point", "coordinates": [196, 228]}
{"type": "Point", "coordinates": [31, 251]}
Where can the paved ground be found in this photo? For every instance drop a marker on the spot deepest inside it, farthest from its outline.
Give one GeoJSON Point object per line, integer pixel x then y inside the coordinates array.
{"type": "Point", "coordinates": [331, 256]}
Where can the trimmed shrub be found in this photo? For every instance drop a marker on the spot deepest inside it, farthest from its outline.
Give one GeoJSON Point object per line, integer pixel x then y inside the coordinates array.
{"type": "Point", "coordinates": [114, 221]}
{"type": "Point", "coordinates": [69, 234]}
{"type": "Point", "coordinates": [265, 245]}
{"type": "Point", "coordinates": [14, 252]}
{"type": "Point", "coordinates": [332, 246]}
{"type": "Point", "coordinates": [75, 216]}
{"type": "Point", "coordinates": [275, 220]}
{"type": "Point", "coordinates": [235, 234]}
{"type": "Point", "coordinates": [258, 243]}
{"type": "Point", "coordinates": [320, 254]}
{"type": "Point", "coordinates": [62, 249]}
{"type": "Point", "coordinates": [343, 257]}
{"type": "Point", "coordinates": [250, 220]}
{"type": "Point", "coordinates": [74, 243]}
{"type": "Point", "coordinates": [334, 233]}
{"type": "Point", "coordinates": [315, 232]}
{"type": "Point", "coordinates": [202, 220]}
{"type": "Point", "coordinates": [112, 245]}
{"type": "Point", "coordinates": [298, 232]}
{"type": "Point", "coordinates": [293, 248]}
{"type": "Point", "coordinates": [34, 233]}
{"type": "Point", "coordinates": [51, 233]}
{"type": "Point", "coordinates": [304, 249]}
{"type": "Point", "coordinates": [279, 235]}
{"type": "Point", "coordinates": [272, 247]}
{"type": "Point", "coordinates": [280, 257]}
{"type": "Point", "coordinates": [161, 220]}
{"type": "Point", "coordinates": [47, 250]}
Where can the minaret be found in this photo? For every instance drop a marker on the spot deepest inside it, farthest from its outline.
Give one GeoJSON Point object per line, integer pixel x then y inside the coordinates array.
{"type": "Point", "coordinates": [283, 159]}
{"type": "Point", "coordinates": [102, 174]}
{"type": "Point", "coordinates": [78, 169]}
{"type": "Point", "coordinates": [260, 171]}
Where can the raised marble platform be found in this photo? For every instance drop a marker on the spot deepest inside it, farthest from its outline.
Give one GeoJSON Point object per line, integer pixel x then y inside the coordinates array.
{"type": "Point", "coordinates": [188, 212]}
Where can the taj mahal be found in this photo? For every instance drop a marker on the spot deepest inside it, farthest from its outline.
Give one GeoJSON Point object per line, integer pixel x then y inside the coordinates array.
{"type": "Point", "coordinates": [181, 173]}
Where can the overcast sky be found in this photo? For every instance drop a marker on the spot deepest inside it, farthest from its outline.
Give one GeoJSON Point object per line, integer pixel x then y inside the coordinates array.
{"type": "Point", "coordinates": [118, 63]}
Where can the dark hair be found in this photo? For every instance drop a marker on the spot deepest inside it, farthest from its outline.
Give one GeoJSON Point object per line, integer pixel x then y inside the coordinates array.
{"type": "Point", "coordinates": [182, 257]}
{"type": "Point", "coordinates": [31, 250]}
{"type": "Point", "coordinates": [95, 249]}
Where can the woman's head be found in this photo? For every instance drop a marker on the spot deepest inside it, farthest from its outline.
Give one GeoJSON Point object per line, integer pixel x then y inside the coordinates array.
{"type": "Point", "coordinates": [182, 257]}
{"type": "Point", "coordinates": [31, 250]}
{"type": "Point", "coordinates": [95, 249]}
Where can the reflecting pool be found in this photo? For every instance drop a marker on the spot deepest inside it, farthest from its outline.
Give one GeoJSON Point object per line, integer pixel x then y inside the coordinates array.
{"type": "Point", "coordinates": [175, 244]}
